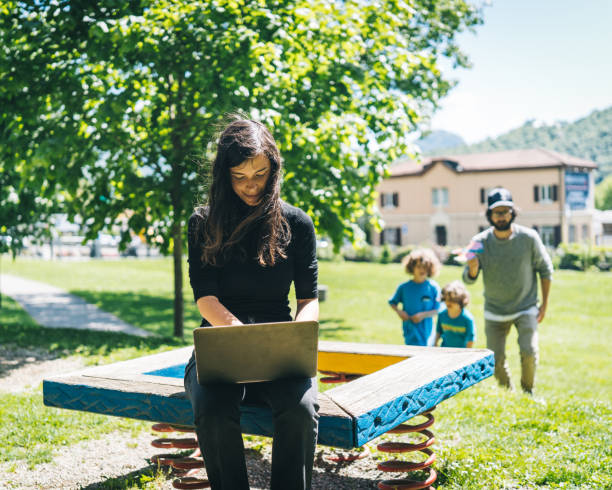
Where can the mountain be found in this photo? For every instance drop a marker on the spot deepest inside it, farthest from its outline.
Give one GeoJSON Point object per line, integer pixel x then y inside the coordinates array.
{"type": "Point", "coordinates": [589, 137]}
{"type": "Point", "coordinates": [437, 141]}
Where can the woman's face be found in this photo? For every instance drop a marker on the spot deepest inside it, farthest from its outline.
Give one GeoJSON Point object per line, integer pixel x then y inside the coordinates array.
{"type": "Point", "coordinates": [249, 179]}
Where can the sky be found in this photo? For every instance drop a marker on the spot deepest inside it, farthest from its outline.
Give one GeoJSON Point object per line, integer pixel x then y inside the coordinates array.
{"type": "Point", "coordinates": [548, 60]}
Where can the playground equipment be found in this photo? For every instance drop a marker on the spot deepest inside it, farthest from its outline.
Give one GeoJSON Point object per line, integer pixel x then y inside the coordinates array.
{"type": "Point", "coordinates": [395, 384]}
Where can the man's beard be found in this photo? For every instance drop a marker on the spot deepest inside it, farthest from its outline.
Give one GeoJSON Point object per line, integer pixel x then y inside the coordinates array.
{"type": "Point", "coordinates": [502, 226]}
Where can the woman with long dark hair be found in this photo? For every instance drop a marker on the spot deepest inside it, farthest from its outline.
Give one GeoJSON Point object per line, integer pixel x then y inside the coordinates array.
{"type": "Point", "coordinates": [246, 247]}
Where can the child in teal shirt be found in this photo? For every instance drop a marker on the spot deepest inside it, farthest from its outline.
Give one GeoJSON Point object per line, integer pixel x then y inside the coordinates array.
{"type": "Point", "coordinates": [455, 324]}
{"type": "Point", "coordinates": [420, 297]}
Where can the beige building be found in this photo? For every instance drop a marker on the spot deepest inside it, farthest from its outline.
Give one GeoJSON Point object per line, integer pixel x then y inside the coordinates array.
{"type": "Point", "coordinates": [443, 199]}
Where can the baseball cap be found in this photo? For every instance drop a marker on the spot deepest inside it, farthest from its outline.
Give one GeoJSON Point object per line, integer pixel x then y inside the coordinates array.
{"type": "Point", "coordinates": [499, 197]}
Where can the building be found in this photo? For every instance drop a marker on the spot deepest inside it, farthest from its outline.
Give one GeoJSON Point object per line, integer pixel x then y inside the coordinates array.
{"type": "Point", "coordinates": [603, 228]}
{"type": "Point", "coordinates": [443, 199]}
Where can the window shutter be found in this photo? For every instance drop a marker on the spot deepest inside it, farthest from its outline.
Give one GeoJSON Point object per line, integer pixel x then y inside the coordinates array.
{"type": "Point", "coordinates": [395, 200]}
{"type": "Point", "coordinates": [382, 199]}
{"type": "Point", "coordinates": [557, 235]}
{"type": "Point", "coordinates": [555, 192]}
{"type": "Point", "coordinates": [482, 195]}
{"type": "Point", "coordinates": [398, 236]}
{"type": "Point", "coordinates": [382, 237]}
{"type": "Point", "coordinates": [536, 193]}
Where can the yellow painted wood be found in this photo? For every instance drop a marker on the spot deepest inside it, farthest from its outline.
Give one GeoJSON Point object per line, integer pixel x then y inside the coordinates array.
{"type": "Point", "coordinates": [351, 363]}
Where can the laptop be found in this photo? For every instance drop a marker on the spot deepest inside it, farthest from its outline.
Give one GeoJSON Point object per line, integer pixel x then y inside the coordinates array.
{"type": "Point", "coordinates": [256, 352]}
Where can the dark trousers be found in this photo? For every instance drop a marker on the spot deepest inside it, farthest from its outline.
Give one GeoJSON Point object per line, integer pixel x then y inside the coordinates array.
{"type": "Point", "coordinates": [216, 410]}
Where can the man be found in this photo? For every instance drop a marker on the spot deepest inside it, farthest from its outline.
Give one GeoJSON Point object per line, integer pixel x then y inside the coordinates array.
{"type": "Point", "coordinates": [510, 255]}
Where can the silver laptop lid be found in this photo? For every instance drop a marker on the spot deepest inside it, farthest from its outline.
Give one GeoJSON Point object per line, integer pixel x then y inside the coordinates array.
{"type": "Point", "coordinates": [256, 352]}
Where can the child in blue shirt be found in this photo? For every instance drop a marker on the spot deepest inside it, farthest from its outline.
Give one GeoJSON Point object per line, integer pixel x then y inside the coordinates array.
{"type": "Point", "coordinates": [420, 297]}
{"type": "Point", "coordinates": [455, 324]}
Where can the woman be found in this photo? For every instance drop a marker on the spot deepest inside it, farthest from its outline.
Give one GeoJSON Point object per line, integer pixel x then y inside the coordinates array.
{"type": "Point", "coordinates": [246, 247]}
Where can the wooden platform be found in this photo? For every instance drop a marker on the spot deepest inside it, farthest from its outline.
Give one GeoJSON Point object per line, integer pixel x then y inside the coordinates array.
{"type": "Point", "coordinates": [398, 383]}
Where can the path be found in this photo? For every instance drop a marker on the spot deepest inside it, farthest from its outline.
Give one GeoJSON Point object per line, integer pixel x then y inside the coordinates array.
{"type": "Point", "coordinates": [53, 307]}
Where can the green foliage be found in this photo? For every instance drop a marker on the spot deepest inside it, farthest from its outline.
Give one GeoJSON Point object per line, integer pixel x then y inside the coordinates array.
{"type": "Point", "coordinates": [113, 104]}
{"type": "Point", "coordinates": [129, 95]}
{"type": "Point", "coordinates": [603, 194]}
{"type": "Point", "coordinates": [402, 252]}
{"type": "Point", "coordinates": [589, 137]}
{"type": "Point", "coordinates": [385, 254]}
{"type": "Point", "coordinates": [32, 431]}
{"type": "Point", "coordinates": [582, 256]}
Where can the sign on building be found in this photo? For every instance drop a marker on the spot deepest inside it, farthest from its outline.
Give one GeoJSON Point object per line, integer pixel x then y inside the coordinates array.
{"type": "Point", "coordinates": [576, 189]}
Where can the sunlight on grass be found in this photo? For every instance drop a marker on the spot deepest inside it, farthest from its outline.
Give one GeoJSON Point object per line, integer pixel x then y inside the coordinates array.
{"type": "Point", "coordinates": [487, 437]}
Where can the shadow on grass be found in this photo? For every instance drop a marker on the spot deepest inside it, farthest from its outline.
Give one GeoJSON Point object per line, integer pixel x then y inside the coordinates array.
{"type": "Point", "coordinates": [334, 329]}
{"type": "Point", "coordinates": [18, 330]}
{"type": "Point", "coordinates": [152, 313]}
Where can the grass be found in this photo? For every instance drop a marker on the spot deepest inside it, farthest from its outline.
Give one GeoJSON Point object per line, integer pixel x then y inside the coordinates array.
{"type": "Point", "coordinates": [487, 437]}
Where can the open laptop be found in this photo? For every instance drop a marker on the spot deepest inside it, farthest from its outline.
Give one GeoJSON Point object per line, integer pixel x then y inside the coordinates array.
{"type": "Point", "coordinates": [256, 352]}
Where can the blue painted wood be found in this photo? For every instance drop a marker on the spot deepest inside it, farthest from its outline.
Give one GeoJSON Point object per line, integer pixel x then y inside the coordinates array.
{"type": "Point", "coordinates": [177, 371]}
{"type": "Point", "coordinates": [142, 406]}
{"type": "Point", "coordinates": [257, 420]}
{"type": "Point", "coordinates": [126, 390]}
{"type": "Point", "coordinates": [377, 422]}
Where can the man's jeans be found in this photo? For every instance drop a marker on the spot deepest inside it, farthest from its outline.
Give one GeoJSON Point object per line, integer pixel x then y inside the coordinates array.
{"type": "Point", "coordinates": [216, 409]}
{"type": "Point", "coordinates": [527, 328]}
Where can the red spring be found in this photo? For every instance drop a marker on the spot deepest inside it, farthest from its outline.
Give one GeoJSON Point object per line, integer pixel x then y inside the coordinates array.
{"type": "Point", "coordinates": [183, 467]}
{"type": "Point", "coordinates": [332, 377]}
{"type": "Point", "coordinates": [408, 466]}
{"type": "Point", "coordinates": [190, 443]}
{"type": "Point", "coordinates": [190, 482]}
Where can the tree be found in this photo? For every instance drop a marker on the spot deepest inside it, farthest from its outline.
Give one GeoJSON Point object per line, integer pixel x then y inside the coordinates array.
{"type": "Point", "coordinates": [603, 194]}
{"type": "Point", "coordinates": [137, 88]}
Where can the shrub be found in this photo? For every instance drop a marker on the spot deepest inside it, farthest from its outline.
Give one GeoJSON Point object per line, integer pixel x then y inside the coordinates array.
{"type": "Point", "coordinates": [401, 252]}
{"type": "Point", "coordinates": [582, 256]}
{"type": "Point", "coordinates": [385, 255]}
{"type": "Point", "coordinates": [359, 253]}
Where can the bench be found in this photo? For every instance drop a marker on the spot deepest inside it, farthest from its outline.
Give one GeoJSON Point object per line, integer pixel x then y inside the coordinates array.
{"type": "Point", "coordinates": [397, 383]}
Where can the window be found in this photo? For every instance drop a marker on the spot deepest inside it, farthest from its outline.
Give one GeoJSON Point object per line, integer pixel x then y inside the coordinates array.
{"type": "Point", "coordinates": [439, 196]}
{"type": "Point", "coordinates": [545, 193]}
{"type": "Point", "coordinates": [392, 236]}
{"type": "Point", "coordinates": [548, 235]}
{"type": "Point", "coordinates": [389, 200]}
{"type": "Point", "coordinates": [585, 233]}
{"type": "Point", "coordinates": [441, 235]}
{"type": "Point", "coordinates": [572, 233]}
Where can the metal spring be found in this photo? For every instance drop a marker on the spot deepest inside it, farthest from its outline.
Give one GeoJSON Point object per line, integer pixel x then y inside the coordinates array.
{"type": "Point", "coordinates": [183, 467]}
{"type": "Point", "coordinates": [407, 466]}
{"type": "Point", "coordinates": [333, 377]}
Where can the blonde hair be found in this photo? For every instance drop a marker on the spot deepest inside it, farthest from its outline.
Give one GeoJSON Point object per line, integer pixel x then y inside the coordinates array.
{"type": "Point", "coordinates": [425, 257]}
{"type": "Point", "coordinates": [455, 292]}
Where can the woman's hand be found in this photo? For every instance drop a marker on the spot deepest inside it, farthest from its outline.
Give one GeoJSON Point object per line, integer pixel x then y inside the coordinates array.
{"type": "Point", "coordinates": [215, 313]}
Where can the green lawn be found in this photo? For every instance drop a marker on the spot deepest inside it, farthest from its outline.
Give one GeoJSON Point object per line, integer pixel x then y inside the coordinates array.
{"type": "Point", "coordinates": [486, 437]}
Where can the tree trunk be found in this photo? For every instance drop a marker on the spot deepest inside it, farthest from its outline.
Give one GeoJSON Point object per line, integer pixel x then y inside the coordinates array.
{"type": "Point", "coordinates": [177, 254]}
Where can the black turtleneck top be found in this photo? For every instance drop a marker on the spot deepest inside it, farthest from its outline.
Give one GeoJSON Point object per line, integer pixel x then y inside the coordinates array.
{"type": "Point", "coordinates": [254, 293]}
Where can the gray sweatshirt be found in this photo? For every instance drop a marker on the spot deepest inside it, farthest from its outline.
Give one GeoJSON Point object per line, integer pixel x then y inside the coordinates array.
{"type": "Point", "coordinates": [509, 269]}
